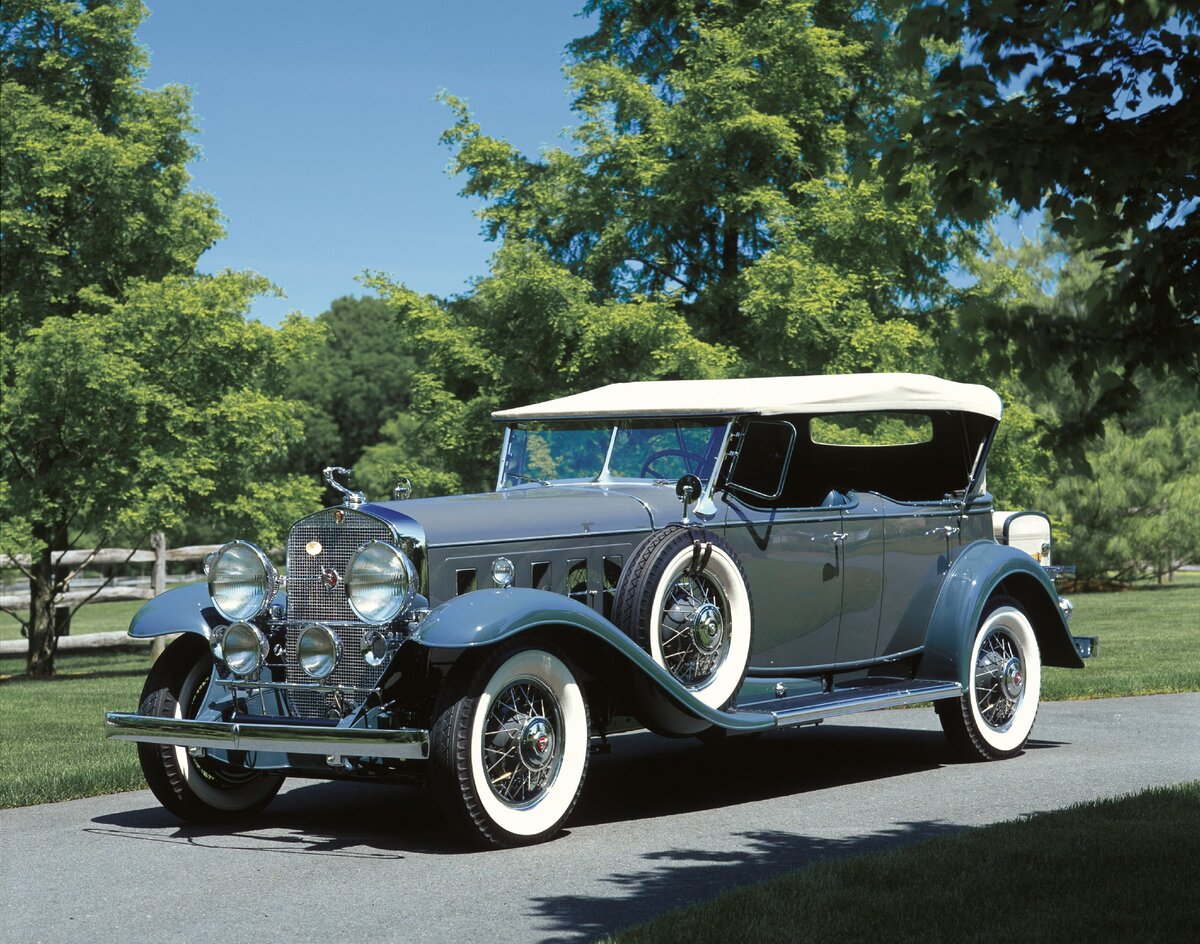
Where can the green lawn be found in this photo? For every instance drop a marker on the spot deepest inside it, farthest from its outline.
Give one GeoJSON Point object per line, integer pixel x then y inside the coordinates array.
{"type": "Point", "coordinates": [1117, 870]}
{"type": "Point", "coordinates": [1149, 643]}
{"type": "Point", "coordinates": [52, 747]}
{"type": "Point", "coordinates": [52, 743]}
{"type": "Point", "coordinates": [90, 618]}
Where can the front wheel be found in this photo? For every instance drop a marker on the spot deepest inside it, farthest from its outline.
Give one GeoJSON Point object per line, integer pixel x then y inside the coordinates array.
{"type": "Point", "coordinates": [993, 718]}
{"type": "Point", "coordinates": [193, 789]}
{"type": "Point", "coordinates": [509, 746]}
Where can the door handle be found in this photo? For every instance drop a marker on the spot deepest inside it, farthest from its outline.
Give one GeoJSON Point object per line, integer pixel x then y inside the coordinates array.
{"type": "Point", "coordinates": [946, 531]}
{"type": "Point", "coordinates": [838, 537]}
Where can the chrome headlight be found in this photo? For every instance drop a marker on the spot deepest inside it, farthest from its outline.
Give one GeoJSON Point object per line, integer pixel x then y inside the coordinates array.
{"type": "Point", "coordinates": [380, 582]}
{"type": "Point", "coordinates": [318, 650]}
{"type": "Point", "coordinates": [241, 581]}
{"type": "Point", "coordinates": [244, 648]}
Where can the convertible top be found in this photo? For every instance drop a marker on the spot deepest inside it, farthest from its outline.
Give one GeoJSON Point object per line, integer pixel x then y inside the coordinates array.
{"type": "Point", "coordinates": [832, 393]}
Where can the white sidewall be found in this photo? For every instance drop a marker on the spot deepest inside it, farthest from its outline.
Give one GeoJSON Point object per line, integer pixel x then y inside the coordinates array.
{"type": "Point", "coordinates": [724, 682]}
{"type": "Point", "coordinates": [230, 799]}
{"type": "Point", "coordinates": [544, 812]}
{"type": "Point", "coordinates": [1017, 730]}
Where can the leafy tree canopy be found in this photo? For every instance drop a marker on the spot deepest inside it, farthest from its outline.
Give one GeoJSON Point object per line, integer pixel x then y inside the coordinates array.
{"type": "Point", "coordinates": [713, 136]}
{"type": "Point", "coordinates": [1089, 111]}
{"type": "Point", "coordinates": [93, 179]}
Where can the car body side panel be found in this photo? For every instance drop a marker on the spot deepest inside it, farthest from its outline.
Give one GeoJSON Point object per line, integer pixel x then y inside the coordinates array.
{"type": "Point", "coordinates": [975, 574]}
{"type": "Point", "coordinates": [490, 616]}
{"type": "Point", "coordinates": [185, 609]}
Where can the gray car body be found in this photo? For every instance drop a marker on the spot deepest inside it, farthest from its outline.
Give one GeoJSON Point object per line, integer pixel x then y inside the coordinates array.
{"type": "Point", "coordinates": [898, 599]}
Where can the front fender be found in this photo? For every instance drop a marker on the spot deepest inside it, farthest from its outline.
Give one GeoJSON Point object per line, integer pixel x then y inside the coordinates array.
{"type": "Point", "coordinates": [186, 609]}
{"type": "Point", "coordinates": [975, 574]}
{"type": "Point", "coordinates": [486, 617]}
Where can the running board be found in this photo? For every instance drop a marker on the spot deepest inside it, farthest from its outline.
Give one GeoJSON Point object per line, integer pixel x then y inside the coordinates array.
{"type": "Point", "coordinates": [809, 709]}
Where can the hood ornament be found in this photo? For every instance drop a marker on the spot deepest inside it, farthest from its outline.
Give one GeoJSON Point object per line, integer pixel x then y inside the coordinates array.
{"type": "Point", "coordinates": [403, 488]}
{"type": "Point", "coordinates": [350, 498]}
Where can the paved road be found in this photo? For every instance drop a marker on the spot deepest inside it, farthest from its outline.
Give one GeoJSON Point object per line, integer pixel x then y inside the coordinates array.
{"type": "Point", "coordinates": [662, 823]}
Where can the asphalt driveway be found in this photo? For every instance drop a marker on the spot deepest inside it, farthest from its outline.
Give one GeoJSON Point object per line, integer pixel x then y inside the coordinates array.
{"type": "Point", "coordinates": [662, 823]}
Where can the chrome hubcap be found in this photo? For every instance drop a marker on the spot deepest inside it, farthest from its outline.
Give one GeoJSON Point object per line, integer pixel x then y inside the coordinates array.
{"type": "Point", "coordinates": [692, 630]}
{"type": "Point", "coordinates": [520, 742]}
{"type": "Point", "coordinates": [999, 678]}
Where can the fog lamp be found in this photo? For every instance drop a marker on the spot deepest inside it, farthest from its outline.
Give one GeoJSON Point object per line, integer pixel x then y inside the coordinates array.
{"type": "Point", "coordinates": [244, 648]}
{"type": "Point", "coordinates": [318, 650]}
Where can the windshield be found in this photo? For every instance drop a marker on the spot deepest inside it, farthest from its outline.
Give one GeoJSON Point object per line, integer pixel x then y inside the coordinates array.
{"type": "Point", "coordinates": [595, 451]}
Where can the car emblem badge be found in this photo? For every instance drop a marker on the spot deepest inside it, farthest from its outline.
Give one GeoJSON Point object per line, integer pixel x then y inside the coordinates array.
{"type": "Point", "coordinates": [330, 577]}
{"type": "Point", "coordinates": [313, 548]}
{"type": "Point", "coordinates": [339, 516]}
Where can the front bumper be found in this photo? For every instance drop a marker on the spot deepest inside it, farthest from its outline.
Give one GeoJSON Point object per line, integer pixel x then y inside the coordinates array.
{"type": "Point", "coordinates": [396, 744]}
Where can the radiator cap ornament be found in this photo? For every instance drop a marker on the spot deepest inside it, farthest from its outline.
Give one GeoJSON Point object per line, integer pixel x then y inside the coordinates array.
{"type": "Point", "coordinates": [349, 497]}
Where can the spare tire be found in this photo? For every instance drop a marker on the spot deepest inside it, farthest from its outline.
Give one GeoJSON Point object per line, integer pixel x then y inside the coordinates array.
{"type": "Point", "coordinates": [683, 598]}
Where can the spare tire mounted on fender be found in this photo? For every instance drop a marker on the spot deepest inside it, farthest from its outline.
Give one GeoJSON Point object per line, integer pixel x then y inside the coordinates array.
{"type": "Point", "coordinates": [683, 597]}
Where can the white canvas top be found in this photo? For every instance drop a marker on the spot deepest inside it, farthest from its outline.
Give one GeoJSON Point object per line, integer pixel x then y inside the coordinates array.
{"type": "Point", "coordinates": [831, 393]}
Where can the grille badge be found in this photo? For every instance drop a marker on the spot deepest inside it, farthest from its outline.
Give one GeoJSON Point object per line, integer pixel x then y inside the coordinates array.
{"type": "Point", "coordinates": [330, 578]}
{"type": "Point", "coordinates": [313, 548]}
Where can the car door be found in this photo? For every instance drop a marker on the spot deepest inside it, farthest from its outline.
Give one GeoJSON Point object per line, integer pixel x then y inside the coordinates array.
{"type": "Point", "coordinates": [793, 567]}
{"type": "Point", "coordinates": [918, 538]}
{"type": "Point", "coordinates": [862, 554]}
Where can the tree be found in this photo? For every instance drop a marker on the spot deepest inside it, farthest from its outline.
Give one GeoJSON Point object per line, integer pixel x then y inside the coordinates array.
{"type": "Point", "coordinates": [364, 378]}
{"type": "Point", "coordinates": [134, 393]}
{"type": "Point", "coordinates": [1090, 112]}
{"type": "Point", "coordinates": [127, 420]}
{"type": "Point", "coordinates": [529, 331]}
{"type": "Point", "coordinates": [93, 179]}
{"type": "Point", "coordinates": [714, 136]}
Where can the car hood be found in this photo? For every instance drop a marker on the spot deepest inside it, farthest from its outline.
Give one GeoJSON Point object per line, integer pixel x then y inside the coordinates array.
{"type": "Point", "coordinates": [535, 511]}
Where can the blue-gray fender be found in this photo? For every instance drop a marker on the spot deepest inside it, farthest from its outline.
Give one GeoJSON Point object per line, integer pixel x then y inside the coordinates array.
{"type": "Point", "coordinates": [186, 609]}
{"type": "Point", "coordinates": [486, 617]}
{"type": "Point", "coordinates": [979, 571]}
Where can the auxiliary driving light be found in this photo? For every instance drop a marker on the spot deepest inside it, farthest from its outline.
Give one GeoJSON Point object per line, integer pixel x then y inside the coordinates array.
{"type": "Point", "coordinates": [318, 650]}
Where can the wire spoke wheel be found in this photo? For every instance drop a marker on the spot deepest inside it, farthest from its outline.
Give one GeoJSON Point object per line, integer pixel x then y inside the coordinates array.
{"type": "Point", "coordinates": [521, 740]}
{"type": "Point", "coordinates": [993, 718]}
{"type": "Point", "coordinates": [693, 632]}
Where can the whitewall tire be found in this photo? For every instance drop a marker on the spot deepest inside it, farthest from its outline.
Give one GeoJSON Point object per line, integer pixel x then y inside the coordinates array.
{"type": "Point", "coordinates": [995, 716]}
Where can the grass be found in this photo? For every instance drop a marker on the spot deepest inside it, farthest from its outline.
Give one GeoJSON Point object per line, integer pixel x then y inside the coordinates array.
{"type": "Point", "coordinates": [52, 747]}
{"type": "Point", "coordinates": [90, 618]}
{"type": "Point", "coordinates": [52, 743]}
{"type": "Point", "coordinates": [1149, 643]}
{"type": "Point", "coordinates": [1115, 870]}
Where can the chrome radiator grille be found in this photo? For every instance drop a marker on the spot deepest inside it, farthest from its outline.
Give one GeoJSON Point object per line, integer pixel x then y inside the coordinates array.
{"type": "Point", "coordinates": [310, 599]}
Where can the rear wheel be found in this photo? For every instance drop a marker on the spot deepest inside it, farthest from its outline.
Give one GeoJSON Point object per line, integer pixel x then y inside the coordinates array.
{"type": "Point", "coordinates": [994, 717]}
{"type": "Point", "coordinates": [194, 789]}
{"type": "Point", "coordinates": [509, 746]}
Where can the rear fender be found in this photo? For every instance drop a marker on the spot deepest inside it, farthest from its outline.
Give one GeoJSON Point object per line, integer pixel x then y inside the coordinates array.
{"type": "Point", "coordinates": [486, 617]}
{"type": "Point", "coordinates": [981, 570]}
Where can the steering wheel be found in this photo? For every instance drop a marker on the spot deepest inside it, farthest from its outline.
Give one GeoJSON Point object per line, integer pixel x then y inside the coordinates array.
{"type": "Point", "coordinates": [692, 461]}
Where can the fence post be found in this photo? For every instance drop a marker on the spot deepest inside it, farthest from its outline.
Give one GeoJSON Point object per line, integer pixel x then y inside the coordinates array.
{"type": "Point", "coordinates": [158, 583]}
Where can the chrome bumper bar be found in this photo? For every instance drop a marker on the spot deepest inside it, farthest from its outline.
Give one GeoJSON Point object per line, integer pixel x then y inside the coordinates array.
{"type": "Point", "coordinates": [398, 744]}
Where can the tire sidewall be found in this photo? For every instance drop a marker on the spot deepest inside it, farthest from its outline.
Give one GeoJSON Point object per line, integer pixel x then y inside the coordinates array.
{"type": "Point", "coordinates": [544, 815]}
{"type": "Point", "coordinates": [723, 569]}
{"type": "Point", "coordinates": [1012, 736]}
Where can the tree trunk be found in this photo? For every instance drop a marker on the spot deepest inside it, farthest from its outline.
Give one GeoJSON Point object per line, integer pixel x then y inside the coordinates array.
{"type": "Point", "coordinates": [42, 639]}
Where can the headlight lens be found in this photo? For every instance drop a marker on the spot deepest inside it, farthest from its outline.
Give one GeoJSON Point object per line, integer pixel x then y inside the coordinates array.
{"type": "Point", "coordinates": [243, 647]}
{"type": "Point", "coordinates": [241, 581]}
{"type": "Point", "coordinates": [318, 650]}
{"type": "Point", "coordinates": [380, 582]}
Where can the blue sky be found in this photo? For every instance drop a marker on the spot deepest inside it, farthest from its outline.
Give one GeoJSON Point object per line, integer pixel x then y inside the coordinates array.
{"type": "Point", "coordinates": [319, 129]}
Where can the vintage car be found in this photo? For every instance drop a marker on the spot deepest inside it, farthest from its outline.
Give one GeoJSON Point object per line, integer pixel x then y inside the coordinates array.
{"type": "Point", "coordinates": [701, 558]}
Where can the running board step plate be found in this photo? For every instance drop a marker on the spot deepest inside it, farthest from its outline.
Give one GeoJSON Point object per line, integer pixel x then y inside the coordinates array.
{"type": "Point", "coordinates": [809, 709]}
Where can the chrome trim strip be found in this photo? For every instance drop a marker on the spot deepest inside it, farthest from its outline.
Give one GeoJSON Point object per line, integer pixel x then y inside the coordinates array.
{"type": "Point", "coordinates": [868, 701]}
{"type": "Point", "coordinates": [831, 668]}
{"type": "Point", "coordinates": [246, 685]}
{"type": "Point", "coordinates": [399, 744]}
